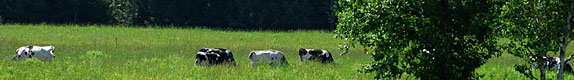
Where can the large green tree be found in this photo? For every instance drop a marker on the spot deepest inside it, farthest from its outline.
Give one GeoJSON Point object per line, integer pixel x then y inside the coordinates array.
{"type": "Point", "coordinates": [430, 39]}
{"type": "Point", "coordinates": [535, 28]}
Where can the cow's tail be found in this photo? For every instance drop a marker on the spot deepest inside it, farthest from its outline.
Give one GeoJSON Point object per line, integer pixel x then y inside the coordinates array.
{"type": "Point", "coordinates": [231, 59]}
{"type": "Point", "coordinates": [330, 59]}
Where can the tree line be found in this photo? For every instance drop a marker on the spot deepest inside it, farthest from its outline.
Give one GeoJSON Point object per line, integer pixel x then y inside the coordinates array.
{"type": "Point", "coordinates": [242, 14]}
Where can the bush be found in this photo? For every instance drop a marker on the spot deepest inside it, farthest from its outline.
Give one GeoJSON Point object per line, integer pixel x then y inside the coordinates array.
{"type": "Point", "coordinates": [431, 40]}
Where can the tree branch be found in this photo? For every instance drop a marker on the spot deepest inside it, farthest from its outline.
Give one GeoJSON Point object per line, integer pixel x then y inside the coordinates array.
{"type": "Point", "coordinates": [569, 58]}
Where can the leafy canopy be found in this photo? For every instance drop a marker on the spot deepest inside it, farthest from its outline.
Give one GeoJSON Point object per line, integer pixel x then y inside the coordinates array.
{"type": "Point", "coordinates": [430, 39]}
{"type": "Point", "coordinates": [534, 28]}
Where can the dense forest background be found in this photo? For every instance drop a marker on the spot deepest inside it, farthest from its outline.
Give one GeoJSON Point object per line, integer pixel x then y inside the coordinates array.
{"type": "Point", "coordinates": [238, 14]}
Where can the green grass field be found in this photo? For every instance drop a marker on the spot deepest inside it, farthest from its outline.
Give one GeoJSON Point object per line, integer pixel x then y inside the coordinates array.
{"type": "Point", "coordinates": [501, 68]}
{"type": "Point", "coordinates": [108, 52]}
{"type": "Point", "coordinates": [148, 53]}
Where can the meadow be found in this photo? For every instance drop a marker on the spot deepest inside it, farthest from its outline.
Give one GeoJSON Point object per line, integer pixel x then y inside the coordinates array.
{"type": "Point", "coordinates": [111, 52]}
{"type": "Point", "coordinates": [115, 52]}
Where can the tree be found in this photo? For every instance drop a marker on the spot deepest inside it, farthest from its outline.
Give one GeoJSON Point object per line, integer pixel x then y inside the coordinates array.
{"type": "Point", "coordinates": [124, 11]}
{"type": "Point", "coordinates": [536, 28]}
{"type": "Point", "coordinates": [430, 39]}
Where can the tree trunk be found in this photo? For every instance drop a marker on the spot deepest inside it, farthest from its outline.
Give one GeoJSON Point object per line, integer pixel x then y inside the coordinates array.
{"type": "Point", "coordinates": [541, 66]}
{"type": "Point", "coordinates": [566, 34]}
{"type": "Point", "coordinates": [562, 53]}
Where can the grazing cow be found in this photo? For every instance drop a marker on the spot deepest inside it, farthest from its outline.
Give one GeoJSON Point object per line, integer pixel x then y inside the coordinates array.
{"type": "Point", "coordinates": [214, 56]}
{"type": "Point", "coordinates": [271, 57]}
{"type": "Point", "coordinates": [553, 63]}
{"type": "Point", "coordinates": [44, 53]}
{"type": "Point", "coordinates": [316, 55]}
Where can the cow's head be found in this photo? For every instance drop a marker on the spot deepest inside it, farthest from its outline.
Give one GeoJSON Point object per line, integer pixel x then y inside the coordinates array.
{"type": "Point", "coordinates": [23, 53]}
{"type": "Point", "coordinates": [201, 59]}
{"type": "Point", "coordinates": [304, 54]}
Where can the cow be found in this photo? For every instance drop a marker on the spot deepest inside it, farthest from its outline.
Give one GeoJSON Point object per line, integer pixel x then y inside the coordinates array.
{"type": "Point", "coordinates": [43, 53]}
{"type": "Point", "coordinates": [214, 56]}
{"type": "Point", "coordinates": [553, 63]}
{"type": "Point", "coordinates": [271, 57]}
{"type": "Point", "coordinates": [322, 56]}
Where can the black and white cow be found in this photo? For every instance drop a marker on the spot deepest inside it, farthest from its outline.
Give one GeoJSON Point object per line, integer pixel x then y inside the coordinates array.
{"type": "Point", "coordinates": [315, 55]}
{"type": "Point", "coordinates": [214, 56]}
{"type": "Point", "coordinates": [553, 63]}
{"type": "Point", "coordinates": [43, 53]}
{"type": "Point", "coordinates": [271, 57]}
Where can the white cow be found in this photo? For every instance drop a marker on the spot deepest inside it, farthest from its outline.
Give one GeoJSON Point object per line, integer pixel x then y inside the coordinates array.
{"type": "Point", "coordinates": [44, 53]}
{"type": "Point", "coordinates": [267, 57]}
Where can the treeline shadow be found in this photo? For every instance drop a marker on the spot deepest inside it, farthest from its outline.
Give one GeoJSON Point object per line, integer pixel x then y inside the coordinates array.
{"type": "Point", "coordinates": [216, 14]}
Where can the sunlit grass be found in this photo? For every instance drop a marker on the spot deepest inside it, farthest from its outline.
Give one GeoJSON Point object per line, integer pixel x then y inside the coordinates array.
{"type": "Point", "coordinates": [112, 52]}
{"type": "Point", "coordinates": [502, 67]}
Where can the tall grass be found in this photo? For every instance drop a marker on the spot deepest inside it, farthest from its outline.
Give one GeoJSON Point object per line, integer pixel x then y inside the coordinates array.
{"type": "Point", "coordinates": [108, 52]}
{"type": "Point", "coordinates": [113, 52]}
{"type": "Point", "coordinates": [502, 67]}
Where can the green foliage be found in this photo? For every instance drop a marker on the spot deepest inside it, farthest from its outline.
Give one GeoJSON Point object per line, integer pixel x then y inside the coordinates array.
{"type": "Point", "coordinates": [535, 28]}
{"type": "Point", "coordinates": [25, 11]}
{"type": "Point", "coordinates": [524, 69]}
{"type": "Point", "coordinates": [124, 11]}
{"type": "Point", "coordinates": [54, 11]}
{"type": "Point", "coordinates": [428, 39]}
{"type": "Point", "coordinates": [242, 14]}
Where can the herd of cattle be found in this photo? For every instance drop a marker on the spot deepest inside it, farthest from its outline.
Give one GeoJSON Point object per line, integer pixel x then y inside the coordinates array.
{"type": "Point", "coordinates": [205, 56]}
{"type": "Point", "coordinates": [216, 56]}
